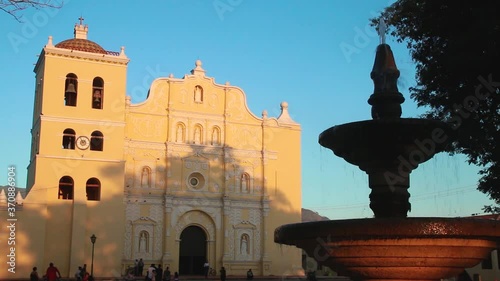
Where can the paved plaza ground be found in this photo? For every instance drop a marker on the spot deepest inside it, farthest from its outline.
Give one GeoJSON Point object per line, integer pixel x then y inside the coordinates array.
{"type": "Point", "coordinates": [201, 278]}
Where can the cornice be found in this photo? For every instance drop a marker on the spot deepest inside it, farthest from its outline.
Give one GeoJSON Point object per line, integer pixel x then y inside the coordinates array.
{"type": "Point", "coordinates": [52, 51]}
{"type": "Point", "coordinates": [132, 143]}
{"type": "Point", "coordinates": [82, 121]}
{"type": "Point", "coordinates": [81, 158]}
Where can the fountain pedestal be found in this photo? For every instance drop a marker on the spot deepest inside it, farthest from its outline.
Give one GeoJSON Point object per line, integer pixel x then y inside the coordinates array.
{"type": "Point", "coordinates": [391, 246]}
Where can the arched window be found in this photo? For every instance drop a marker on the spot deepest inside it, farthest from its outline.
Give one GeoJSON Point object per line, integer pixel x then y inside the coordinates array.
{"type": "Point", "coordinates": [97, 93]}
{"type": "Point", "coordinates": [245, 183]}
{"type": "Point", "coordinates": [198, 134]}
{"type": "Point", "coordinates": [96, 141]}
{"type": "Point", "coordinates": [93, 189]}
{"type": "Point", "coordinates": [198, 94]}
{"type": "Point", "coordinates": [68, 140]}
{"type": "Point", "coordinates": [180, 131]}
{"type": "Point", "coordinates": [146, 177]}
{"type": "Point", "coordinates": [70, 90]}
{"type": "Point", "coordinates": [66, 185]}
{"type": "Point", "coordinates": [215, 136]}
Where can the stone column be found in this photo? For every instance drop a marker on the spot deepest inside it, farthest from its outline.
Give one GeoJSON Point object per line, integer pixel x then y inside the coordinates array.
{"type": "Point", "coordinates": [226, 224]}
{"type": "Point", "coordinates": [167, 259]}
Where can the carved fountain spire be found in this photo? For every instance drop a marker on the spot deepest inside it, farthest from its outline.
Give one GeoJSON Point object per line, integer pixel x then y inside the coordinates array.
{"type": "Point", "coordinates": [386, 99]}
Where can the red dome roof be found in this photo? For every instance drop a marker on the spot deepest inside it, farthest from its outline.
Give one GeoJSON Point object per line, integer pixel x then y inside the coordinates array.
{"type": "Point", "coordinates": [81, 45]}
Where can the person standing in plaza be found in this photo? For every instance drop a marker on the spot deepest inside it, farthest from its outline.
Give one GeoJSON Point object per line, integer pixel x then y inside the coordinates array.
{"type": "Point", "coordinates": [166, 275]}
{"type": "Point", "coordinates": [222, 274]}
{"type": "Point", "coordinates": [34, 275]}
{"type": "Point", "coordinates": [206, 267]}
{"type": "Point", "coordinates": [136, 267]}
{"type": "Point", "coordinates": [52, 273]}
{"type": "Point", "coordinates": [159, 273]}
{"type": "Point", "coordinates": [140, 264]}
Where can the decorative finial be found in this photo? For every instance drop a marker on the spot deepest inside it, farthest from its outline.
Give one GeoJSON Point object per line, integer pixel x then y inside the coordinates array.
{"type": "Point", "coordinates": [3, 198]}
{"type": "Point", "coordinates": [198, 70]}
{"type": "Point", "coordinates": [171, 75]}
{"type": "Point", "coordinates": [284, 105]}
{"type": "Point", "coordinates": [19, 198]}
{"type": "Point", "coordinates": [81, 19]}
{"type": "Point", "coordinates": [264, 114]}
{"type": "Point", "coordinates": [49, 42]}
{"type": "Point", "coordinates": [381, 29]}
{"type": "Point", "coordinates": [122, 51]}
{"type": "Point", "coordinates": [285, 116]}
{"type": "Point", "coordinates": [227, 83]}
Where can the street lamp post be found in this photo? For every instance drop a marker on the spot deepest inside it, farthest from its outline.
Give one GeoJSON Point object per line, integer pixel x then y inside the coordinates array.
{"type": "Point", "coordinates": [92, 239]}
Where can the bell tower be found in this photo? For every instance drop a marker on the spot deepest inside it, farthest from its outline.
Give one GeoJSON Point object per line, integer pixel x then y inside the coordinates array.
{"type": "Point", "coordinates": [76, 170]}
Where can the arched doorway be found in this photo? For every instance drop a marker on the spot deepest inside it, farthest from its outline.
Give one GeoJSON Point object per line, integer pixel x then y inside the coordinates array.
{"type": "Point", "coordinates": [193, 251]}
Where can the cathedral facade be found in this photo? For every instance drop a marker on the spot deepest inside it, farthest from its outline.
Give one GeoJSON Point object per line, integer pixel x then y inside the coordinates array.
{"type": "Point", "coordinates": [189, 175]}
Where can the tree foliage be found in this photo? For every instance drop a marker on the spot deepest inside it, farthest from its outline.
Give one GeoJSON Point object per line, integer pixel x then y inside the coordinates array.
{"type": "Point", "coordinates": [456, 48]}
{"type": "Point", "coordinates": [14, 7]}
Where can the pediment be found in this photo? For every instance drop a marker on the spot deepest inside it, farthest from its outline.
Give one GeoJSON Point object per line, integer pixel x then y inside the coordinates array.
{"type": "Point", "coordinates": [144, 220]}
{"type": "Point", "coordinates": [197, 157]}
{"type": "Point", "coordinates": [245, 225]}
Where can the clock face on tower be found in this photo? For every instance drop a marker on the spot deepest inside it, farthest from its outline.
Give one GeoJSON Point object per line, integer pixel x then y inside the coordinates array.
{"type": "Point", "coordinates": [82, 142]}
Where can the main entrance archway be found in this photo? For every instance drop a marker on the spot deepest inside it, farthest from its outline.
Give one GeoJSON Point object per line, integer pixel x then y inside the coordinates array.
{"type": "Point", "coordinates": [193, 251]}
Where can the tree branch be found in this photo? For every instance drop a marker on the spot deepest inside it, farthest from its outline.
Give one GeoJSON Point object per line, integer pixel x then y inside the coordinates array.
{"type": "Point", "coordinates": [13, 7]}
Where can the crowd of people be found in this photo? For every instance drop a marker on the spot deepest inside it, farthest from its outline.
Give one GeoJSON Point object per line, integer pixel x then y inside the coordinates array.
{"type": "Point", "coordinates": [153, 273]}
{"type": "Point", "coordinates": [53, 274]}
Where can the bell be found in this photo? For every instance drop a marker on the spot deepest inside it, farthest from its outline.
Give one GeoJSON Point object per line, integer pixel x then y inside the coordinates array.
{"type": "Point", "coordinates": [71, 88]}
{"type": "Point", "coordinates": [97, 96]}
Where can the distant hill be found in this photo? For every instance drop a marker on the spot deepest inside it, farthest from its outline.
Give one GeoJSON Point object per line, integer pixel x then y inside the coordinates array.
{"type": "Point", "coordinates": [309, 215]}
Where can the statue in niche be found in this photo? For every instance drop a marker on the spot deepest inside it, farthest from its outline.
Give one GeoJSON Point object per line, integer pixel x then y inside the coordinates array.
{"type": "Point", "coordinates": [179, 137]}
{"type": "Point", "coordinates": [215, 137]}
{"type": "Point", "coordinates": [198, 94]}
{"type": "Point", "coordinates": [146, 177]}
{"type": "Point", "coordinates": [143, 242]}
{"type": "Point", "coordinates": [244, 183]}
{"type": "Point", "coordinates": [197, 135]}
{"type": "Point", "coordinates": [244, 250]}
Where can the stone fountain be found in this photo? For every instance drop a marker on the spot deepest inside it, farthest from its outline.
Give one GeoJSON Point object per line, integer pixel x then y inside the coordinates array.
{"type": "Point", "coordinates": [391, 246]}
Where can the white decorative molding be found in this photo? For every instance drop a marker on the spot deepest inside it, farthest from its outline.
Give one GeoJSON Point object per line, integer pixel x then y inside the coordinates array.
{"type": "Point", "coordinates": [132, 212]}
{"type": "Point", "coordinates": [156, 212]}
{"type": "Point", "coordinates": [198, 218]}
{"type": "Point", "coordinates": [196, 164]}
{"type": "Point", "coordinates": [255, 218]}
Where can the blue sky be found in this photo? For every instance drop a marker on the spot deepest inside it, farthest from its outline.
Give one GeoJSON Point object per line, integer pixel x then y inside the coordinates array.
{"type": "Point", "coordinates": [317, 56]}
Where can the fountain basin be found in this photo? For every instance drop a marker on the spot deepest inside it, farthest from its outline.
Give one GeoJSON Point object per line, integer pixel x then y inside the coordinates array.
{"type": "Point", "coordinates": [395, 248]}
{"type": "Point", "coordinates": [387, 142]}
